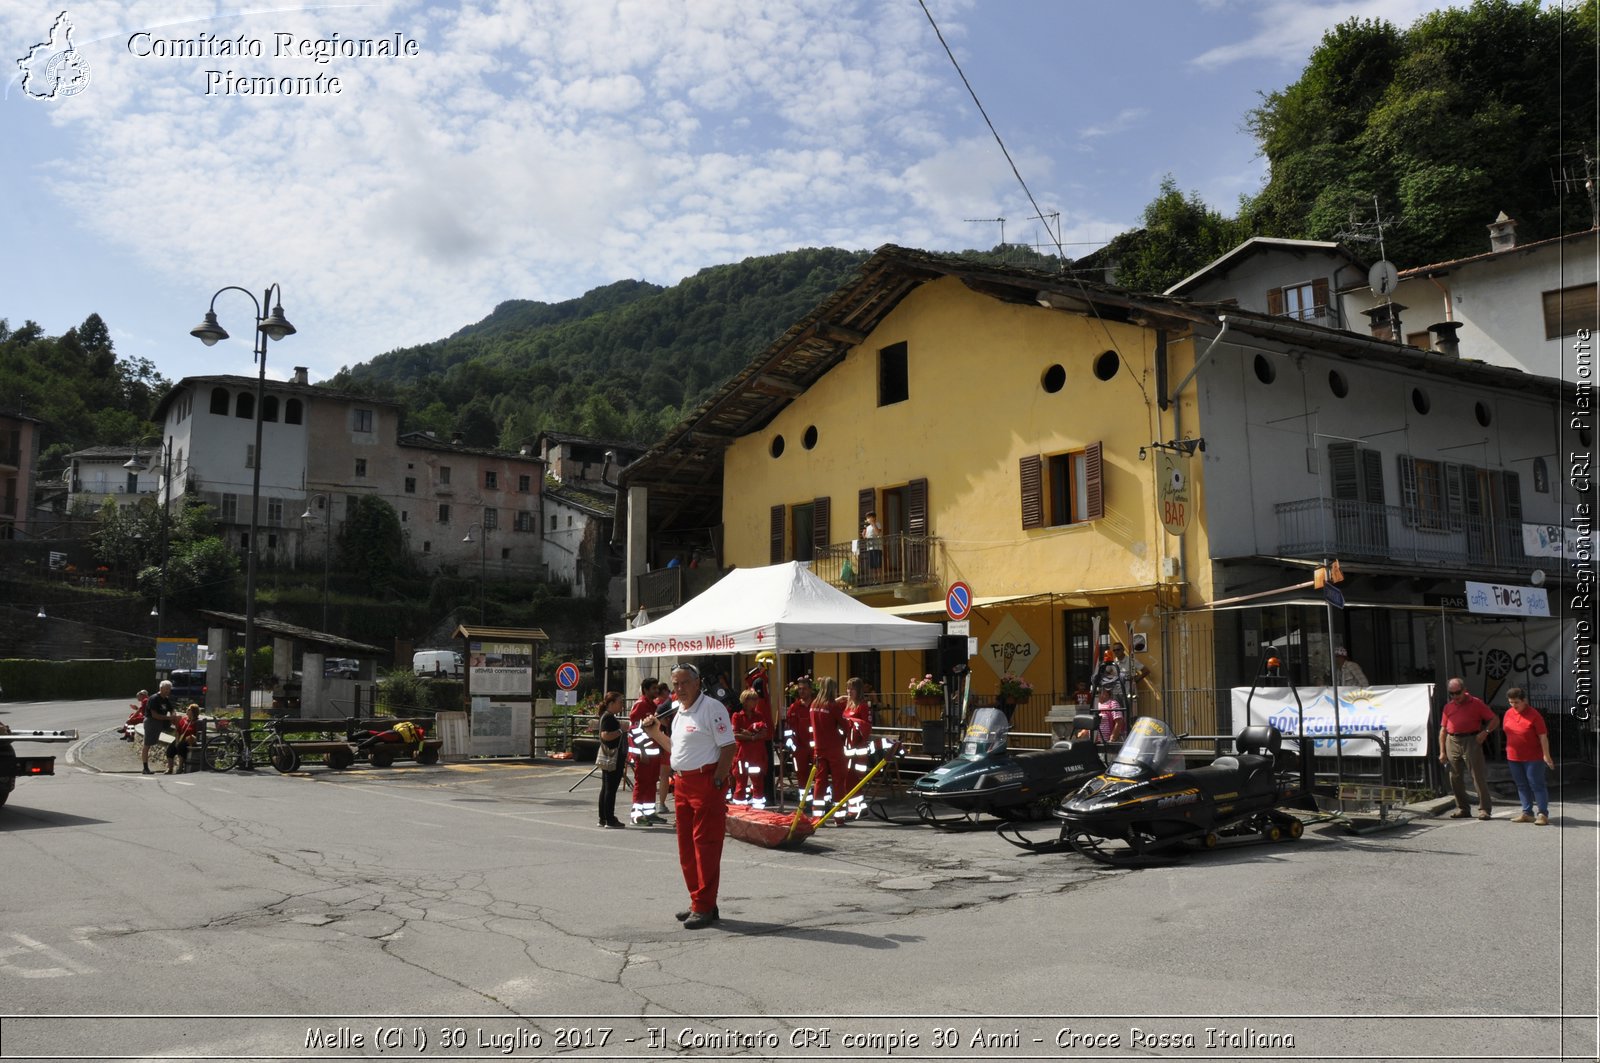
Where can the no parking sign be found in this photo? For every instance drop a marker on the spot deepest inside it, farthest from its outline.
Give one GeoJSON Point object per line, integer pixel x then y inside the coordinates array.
{"type": "Point", "coordinates": [567, 676]}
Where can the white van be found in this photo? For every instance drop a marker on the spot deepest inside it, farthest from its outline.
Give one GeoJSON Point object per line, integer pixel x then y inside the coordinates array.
{"type": "Point", "coordinates": [436, 662]}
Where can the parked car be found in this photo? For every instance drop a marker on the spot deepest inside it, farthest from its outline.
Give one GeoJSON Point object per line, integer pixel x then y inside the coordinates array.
{"type": "Point", "coordinates": [436, 662]}
{"type": "Point", "coordinates": [188, 684]}
{"type": "Point", "coordinates": [341, 668]}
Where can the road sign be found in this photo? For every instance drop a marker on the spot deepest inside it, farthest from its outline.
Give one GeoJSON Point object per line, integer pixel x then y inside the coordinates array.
{"type": "Point", "coordinates": [958, 627]}
{"type": "Point", "coordinates": [958, 600]}
{"type": "Point", "coordinates": [1334, 595]}
{"type": "Point", "coordinates": [567, 676]}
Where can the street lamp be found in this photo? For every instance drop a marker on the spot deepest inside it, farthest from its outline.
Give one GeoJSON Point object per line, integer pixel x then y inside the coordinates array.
{"type": "Point", "coordinates": [327, 540]}
{"type": "Point", "coordinates": [483, 561]}
{"type": "Point", "coordinates": [272, 326]}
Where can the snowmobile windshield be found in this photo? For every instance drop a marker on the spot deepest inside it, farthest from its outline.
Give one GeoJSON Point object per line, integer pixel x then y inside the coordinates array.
{"type": "Point", "coordinates": [986, 733]}
{"type": "Point", "coordinates": [1146, 749]}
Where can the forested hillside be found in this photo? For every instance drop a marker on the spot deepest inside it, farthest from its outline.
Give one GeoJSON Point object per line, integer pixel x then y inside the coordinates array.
{"type": "Point", "coordinates": [77, 386]}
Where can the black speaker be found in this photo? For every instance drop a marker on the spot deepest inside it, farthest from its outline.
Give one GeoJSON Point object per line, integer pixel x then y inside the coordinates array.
{"type": "Point", "coordinates": [953, 659]}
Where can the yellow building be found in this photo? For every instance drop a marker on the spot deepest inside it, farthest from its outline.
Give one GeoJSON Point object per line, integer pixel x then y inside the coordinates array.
{"type": "Point", "coordinates": [998, 441]}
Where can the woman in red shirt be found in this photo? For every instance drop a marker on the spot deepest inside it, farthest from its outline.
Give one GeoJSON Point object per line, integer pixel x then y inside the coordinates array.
{"type": "Point", "coordinates": [1528, 754]}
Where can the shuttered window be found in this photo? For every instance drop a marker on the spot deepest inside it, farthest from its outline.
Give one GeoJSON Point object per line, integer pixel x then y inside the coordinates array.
{"type": "Point", "coordinates": [866, 502]}
{"type": "Point", "coordinates": [778, 515]}
{"type": "Point", "coordinates": [1059, 489]}
{"type": "Point", "coordinates": [917, 507]}
{"type": "Point", "coordinates": [1303, 302]}
{"type": "Point", "coordinates": [1566, 310]}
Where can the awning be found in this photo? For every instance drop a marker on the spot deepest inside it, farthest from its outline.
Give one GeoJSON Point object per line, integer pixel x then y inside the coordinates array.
{"type": "Point", "coordinates": [929, 608]}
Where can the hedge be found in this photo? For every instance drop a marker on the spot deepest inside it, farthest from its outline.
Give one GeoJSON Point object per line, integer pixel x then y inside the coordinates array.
{"type": "Point", "coordinates": [23, 680]}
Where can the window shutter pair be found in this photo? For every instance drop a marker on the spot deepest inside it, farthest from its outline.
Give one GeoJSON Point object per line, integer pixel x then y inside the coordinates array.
{"type": "Point", "coordinates": [1355, 473]}
{"type": "Point", "coordinates": [821, 525]}
{"type": "Point", "coordinates": [1030, 475]}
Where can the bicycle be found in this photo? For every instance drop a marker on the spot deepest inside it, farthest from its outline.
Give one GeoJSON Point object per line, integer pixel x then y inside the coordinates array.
{"type": "Point", "coordinates": [230, 747]}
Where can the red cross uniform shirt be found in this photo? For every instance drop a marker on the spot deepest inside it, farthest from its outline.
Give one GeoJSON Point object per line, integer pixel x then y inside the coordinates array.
{"type": "Point", "coordinates": [699, 733]}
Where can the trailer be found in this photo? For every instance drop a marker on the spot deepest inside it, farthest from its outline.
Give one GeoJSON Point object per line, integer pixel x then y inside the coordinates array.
{"type": "Point", "coordinates": [13, 767]}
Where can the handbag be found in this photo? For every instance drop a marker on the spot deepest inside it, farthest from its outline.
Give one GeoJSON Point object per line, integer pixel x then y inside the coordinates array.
{"type": "Point", "coordinates": [606, 759]}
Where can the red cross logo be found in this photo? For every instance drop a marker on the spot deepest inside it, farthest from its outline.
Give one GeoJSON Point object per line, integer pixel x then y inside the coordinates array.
{"type": "Point", "coordinates": [761, 636]}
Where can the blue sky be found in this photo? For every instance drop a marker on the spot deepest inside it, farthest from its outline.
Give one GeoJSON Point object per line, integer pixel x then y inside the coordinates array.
{"type": "Point", "coordinates": [538, 149]}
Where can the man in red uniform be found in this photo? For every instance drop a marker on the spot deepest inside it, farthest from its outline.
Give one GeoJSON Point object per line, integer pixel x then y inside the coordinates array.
{"type": "Point", "coordinates": [797, 734]}
{"type": "Point", "coordinates": [827, 744]}
{"type": "Point", "coordinates": [701, 749]}
{"type": "Point", "coordinates": [646, 758]}
{"type": "Point", "coordinates": [1465, 724]}
{"type": "Point", "coordinates": [752, 726]}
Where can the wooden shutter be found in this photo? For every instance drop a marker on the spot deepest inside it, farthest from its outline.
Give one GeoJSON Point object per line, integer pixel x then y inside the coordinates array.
{"type": "Point", "coordinates": [1344, 472]}
{"type": "Point", "coordinates": [1510, 496]}
{"type": "Point", "coordinates": [1371, 476]}
{"type": "Point", "coordinates": [1462, 496]}
{"type": "Point", "coordinates": [821, 521]}
{"type": "Point", "coordinates": [778, 513]}
{"type": "Point", "coordinates": [1408, 489]}
{"type": "Point", "coordinates": [917, 507]}
{"type": "Point", "coordinates": [1094, 506]}
{"type": "Point", "coordinates": [866, 502]}
{"type": "Point", "coordinates": [1031, 475]}
{"type": "Point", "coordinates": [1275, 301]}
{"type": "Point", "coordinates": [1568, 310]}
{"type": "Point", "coordinates": [1319, 296]}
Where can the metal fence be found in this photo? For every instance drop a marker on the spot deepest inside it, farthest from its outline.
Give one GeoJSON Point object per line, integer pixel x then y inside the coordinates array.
{"type": "Point", "coordinates": [1333, 527]}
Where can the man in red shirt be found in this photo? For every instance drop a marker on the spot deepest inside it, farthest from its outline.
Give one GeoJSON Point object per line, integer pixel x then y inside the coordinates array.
{"type": "Point", "coordinates": [1465, 724]}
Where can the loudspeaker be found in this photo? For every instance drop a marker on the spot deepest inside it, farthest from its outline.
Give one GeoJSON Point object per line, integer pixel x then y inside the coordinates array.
{"type": "Point", "coordinates": [953, 659]}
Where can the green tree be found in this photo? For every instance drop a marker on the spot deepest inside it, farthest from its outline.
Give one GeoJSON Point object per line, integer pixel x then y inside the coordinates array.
{"type": "Point", "coordinates": [1179, 235]}
{"type": "Point", "coordinates": [370, 543]}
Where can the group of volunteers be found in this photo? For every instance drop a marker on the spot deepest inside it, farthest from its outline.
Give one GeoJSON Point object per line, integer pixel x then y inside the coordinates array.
{"type": "Point", "coordinates": [715, 758]}
{"type": "Point", "coordinates": [155, 715]}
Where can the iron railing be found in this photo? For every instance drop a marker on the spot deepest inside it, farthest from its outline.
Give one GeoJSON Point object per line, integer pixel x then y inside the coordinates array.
{"type": "Point", "coordinates": [1315, 528]}
{"type": "Point", "coordinates": [880, 562]}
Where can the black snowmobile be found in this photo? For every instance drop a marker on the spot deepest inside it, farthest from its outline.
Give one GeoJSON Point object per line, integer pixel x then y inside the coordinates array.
{"type": "Point", "coordinates": [1145, 806]}
{"type": "Point", "coordinates": [987, 777]}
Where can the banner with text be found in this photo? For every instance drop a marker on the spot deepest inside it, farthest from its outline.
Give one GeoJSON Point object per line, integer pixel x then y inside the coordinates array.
{"type": "Point", "coordinates": [1402, 711]}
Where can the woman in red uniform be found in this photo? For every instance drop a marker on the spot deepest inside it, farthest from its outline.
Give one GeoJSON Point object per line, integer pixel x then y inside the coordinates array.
{"type": "Point", "coordinates": [1528, 755]}
{"type": "Point", "coordinates": [827, 744]}
{"type": "Point", "coordinates": [857, 743]}
{"type": "Point", "coordinates": [752, 726]}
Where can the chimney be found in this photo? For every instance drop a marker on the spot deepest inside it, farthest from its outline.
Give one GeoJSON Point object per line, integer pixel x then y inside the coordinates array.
{"type": "Point", "coordinates": [300, 375]}
{"type": "Point", "coordinates": [1444, 338]}
{"type": "Point", "coordinates": [1385, 321]}
{"type": "Point", "coordinates": [1502, 233]}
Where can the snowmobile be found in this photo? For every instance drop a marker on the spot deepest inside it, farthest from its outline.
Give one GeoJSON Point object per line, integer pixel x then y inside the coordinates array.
{"type": "Point", "coordinates": [1146, 807]}
{"type": "Point", "coordinates": [987, 777]}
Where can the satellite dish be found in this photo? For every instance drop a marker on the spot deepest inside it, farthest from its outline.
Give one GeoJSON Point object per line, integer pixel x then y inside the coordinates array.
{"type": "Point", "coordinates": [1383, 278]}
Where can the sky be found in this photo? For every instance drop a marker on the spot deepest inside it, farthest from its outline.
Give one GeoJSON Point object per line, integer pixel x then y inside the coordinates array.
{"type": "Point", "coordinates": [535, 149]}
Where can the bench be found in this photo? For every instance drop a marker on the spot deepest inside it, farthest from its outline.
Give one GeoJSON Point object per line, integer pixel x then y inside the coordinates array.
{"type": "Point", "coordinates": [384, 754]}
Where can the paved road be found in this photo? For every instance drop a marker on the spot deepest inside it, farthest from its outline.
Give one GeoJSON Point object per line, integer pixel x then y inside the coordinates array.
{"type": "Point", "coordinates": [319, 908]}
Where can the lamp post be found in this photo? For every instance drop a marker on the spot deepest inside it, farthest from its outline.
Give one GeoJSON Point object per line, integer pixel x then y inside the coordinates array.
{"type": "Point", "coordinates": [327, 541]}
{"type": "Point", "coordinates": [272, 326]}
{"type": "Point", "coordinates": [483, 561]}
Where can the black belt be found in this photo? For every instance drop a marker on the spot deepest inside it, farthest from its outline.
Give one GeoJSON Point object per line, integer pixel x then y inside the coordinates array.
{"type": "Point", "coordinates": [1463, 734]}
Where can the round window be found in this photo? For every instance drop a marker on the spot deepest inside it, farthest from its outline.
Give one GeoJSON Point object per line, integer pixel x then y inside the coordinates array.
{"type": "Point", "coordinates": [1338, 384]}
{"type": "Point", "coordinates": [1266, 372]}
{"type": "Point", "coordinates": [1481, 412]}
{"type": "Point", "coordinates": [1106, 366]}
{"type": "Point", "coordinates": [1420, 401]}
{"type": "Point", "coordinates": [777, 446]}
{"type": "Point", "coordinates": [809, 440]}
{"type": "Point", "coordinates": [1054, 379]}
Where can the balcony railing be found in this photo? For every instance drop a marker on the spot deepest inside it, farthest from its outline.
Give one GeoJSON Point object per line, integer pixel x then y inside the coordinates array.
{"type": "Point", "coordinates": [881, 562]}
{"type": "Point", "coordinates": [667, 588]}
{"type": "Point", "coordinates": [1314, 528]}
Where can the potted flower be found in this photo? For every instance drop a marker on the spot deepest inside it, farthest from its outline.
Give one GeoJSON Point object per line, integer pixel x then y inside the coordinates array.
{"type": "Point", "coordinates": [1014, 689]}
{"type": "Point", "coordinates": [926, 691]}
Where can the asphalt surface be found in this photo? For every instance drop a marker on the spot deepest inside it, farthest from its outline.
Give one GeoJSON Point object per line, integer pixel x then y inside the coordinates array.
{"type": "Point", "coordinates": [285, 915]}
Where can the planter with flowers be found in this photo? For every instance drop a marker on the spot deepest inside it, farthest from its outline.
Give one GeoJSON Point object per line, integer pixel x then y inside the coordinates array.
{"type": "Point", "coordinates": [1014, 689]}
{"type": "Point", "coordinates": [926, 691]}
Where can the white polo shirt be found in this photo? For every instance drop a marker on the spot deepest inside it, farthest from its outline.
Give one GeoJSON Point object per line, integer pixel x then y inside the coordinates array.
{"type": "Point", "coordinates": [699, 732]}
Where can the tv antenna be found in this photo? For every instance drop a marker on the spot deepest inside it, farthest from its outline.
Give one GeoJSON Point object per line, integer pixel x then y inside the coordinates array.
{"type": "Point", "coordinates": [1382, 278]}
{"type": "Point", "coordinates": [991, 221]}
{"type": "Point", "coordinates": [1566, 182]}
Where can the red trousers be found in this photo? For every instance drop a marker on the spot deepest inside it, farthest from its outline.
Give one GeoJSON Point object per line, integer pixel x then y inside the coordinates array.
{"type": "Point", "coordinates": [830, 770]}
{"type": "Point", "coordinates": [702, 821]}
{"type": "Point", "coordinates": [646, 773]}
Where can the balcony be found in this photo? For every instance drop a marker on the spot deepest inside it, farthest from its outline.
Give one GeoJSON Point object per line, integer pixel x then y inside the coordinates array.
{"type": "Point", "coordinates": [902, 565]}
{"type": "Point", "coordinates": [667, 588]}
{"type": "Point", "coordinates": [1315, 528]}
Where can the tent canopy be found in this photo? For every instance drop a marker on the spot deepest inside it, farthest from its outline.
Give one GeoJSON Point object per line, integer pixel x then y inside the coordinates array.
{"type": "Point", "coordinates": [783, 608]}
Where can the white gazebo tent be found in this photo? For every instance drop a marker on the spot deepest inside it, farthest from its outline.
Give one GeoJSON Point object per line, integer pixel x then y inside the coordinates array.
{"type": "Point", "coordinates": [780, 608]}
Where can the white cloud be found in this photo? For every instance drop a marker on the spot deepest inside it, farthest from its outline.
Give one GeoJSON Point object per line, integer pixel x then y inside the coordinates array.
{"type": "Point", "coordinates": [1124, 120]}
{"type": "Point", "coordinates": [1288, 30]}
